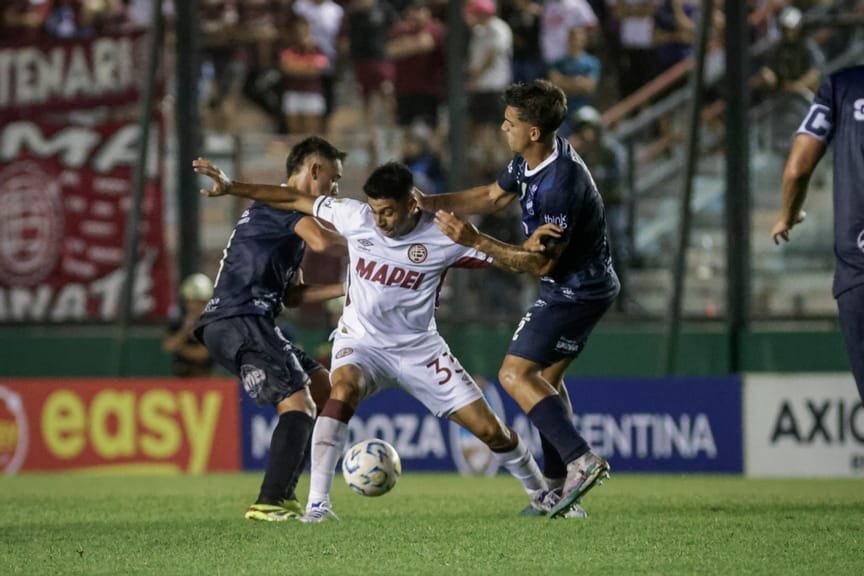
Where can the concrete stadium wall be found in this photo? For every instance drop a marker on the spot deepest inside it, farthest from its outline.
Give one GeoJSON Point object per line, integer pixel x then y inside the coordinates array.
{"type": "Point", "coordinates": [612, 351]}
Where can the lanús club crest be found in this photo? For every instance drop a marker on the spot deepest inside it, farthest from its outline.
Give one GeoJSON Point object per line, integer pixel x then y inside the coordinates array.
{"type": "Point", "coordinates": [417, 253]}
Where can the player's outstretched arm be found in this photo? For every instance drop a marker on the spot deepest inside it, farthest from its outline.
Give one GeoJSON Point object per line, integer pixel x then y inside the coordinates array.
{"type": "Point", "coordinates": [318, 236]}
{"type": "Point", "coordinates": [803, 158]}
{"type": "Point", "coordinates": [505, 256]}
{"type": "Point", "coordinates": [279, 197]}
{"type": "Point", "coordinates": [479, 200]}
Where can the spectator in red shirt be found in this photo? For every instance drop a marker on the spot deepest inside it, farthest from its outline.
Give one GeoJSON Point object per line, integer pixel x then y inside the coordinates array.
{"type": "Point", "coordinates": [417, 48]}
{"type": "Point", "coordinates": [303, 65]}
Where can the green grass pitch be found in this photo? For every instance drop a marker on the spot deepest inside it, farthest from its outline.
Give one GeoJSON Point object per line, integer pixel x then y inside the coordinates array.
{"type": "Point", "coordinates": [432, 524]}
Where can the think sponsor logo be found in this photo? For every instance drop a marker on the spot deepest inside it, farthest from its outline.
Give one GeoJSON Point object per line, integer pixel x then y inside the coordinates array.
{"type": "Point", "coordinates": [559, 220]}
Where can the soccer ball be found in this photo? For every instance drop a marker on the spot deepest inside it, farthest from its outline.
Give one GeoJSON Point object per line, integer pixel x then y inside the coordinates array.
{"type": "Point", "coordinates": [371, 467]}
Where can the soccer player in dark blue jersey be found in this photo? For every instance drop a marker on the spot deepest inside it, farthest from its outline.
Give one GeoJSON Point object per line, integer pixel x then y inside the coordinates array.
{"type": "Point", "coordinates": [258, 275]}
{"type": "Point", "coordinates": [836, 115]}
{"type": "Point", "coordinates": [577, 281]}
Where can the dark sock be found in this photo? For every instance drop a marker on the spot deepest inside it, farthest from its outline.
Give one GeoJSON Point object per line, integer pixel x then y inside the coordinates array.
{"type": "Point", "coordinates": [290, 493]}
{"type": "Point", "coordinates": [553, 466]}
{"type": "Point", "coordinates": [287, 449]}
{"type": "Point", "coordinates": [550, 417]}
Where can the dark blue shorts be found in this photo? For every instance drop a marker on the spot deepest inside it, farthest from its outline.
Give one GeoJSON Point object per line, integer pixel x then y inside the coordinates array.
{"type": "Point", "coordinates": [253, 348]}
{"type": "Point", "coordinates": [851, 307]}
{"type": "Point", "coordinates": [556, 327]}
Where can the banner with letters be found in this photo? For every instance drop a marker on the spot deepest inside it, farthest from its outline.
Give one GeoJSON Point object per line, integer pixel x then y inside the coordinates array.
{"type": "Point", "coordinates": [803, 425]}
{"type": "Point", "coordinates": [131, 426]}
{"type": "Point", "coordinates": [68, 148]}
{"type": "Point", "coordinates": [59, 75]}
{"type": "Point", "coordinates": [64, 197]}
{"type": "Point", "coordinates": [648, 425]}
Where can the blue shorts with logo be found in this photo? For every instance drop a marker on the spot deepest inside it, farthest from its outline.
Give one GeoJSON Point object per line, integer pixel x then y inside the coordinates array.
{"type": "Point", "coordinates": [253, 348]}
{"type": "Point", "coordinates": [557, 325]}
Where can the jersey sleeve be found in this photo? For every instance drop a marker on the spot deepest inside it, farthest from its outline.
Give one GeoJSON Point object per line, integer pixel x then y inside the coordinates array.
{"type": "Point", "coordinates": [344, 213]}
{"type": "Point", "coordinates": [291, 220]}
{"type": "Point", "coordinates": [507, 178]}
{"type": "Point", "coordinates": [465, 257]}
{"type": "Point", "coordinates": [819, 121]}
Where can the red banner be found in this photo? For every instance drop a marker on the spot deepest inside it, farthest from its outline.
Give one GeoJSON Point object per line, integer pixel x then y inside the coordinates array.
{"type": "Point", "coordinates": [62, 75]}
{"type": "Point", "coordinates": [64, 197]}
{"type": "Point", "coordinates": [125, 426]}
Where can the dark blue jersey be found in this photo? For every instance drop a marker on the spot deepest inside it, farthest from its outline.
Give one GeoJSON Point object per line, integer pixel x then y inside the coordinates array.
{"type": "Point", "coordinates": [837, 115]}
{"type": "Point", "coordinates": [561, 191]}
{"type": "Point", "coordinates": [258, 264]}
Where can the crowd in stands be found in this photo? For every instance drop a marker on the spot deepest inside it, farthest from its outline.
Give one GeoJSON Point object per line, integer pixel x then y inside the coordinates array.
{"type": "Point", "coordinates": [288, 56]}
{"type": "Point", "coordinates": [30, 20]}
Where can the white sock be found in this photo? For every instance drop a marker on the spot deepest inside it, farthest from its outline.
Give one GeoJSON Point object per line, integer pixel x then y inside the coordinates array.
{"type": "Point", "coordinates": [521, 464]}
{"type": "Point", "coordinates": [328, 444]}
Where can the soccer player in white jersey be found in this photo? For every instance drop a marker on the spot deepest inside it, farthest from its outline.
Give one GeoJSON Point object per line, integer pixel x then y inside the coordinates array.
{"type": "Point", "coordinates": [387, 335]}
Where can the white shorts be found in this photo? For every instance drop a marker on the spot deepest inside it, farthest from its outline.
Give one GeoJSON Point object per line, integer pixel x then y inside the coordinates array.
{"type": "Point", "coordinates": [428, 372]}
{"type": "Point", "coordinates": [305, 103]}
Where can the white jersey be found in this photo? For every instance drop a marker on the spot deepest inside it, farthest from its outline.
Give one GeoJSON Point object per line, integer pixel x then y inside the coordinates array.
{"type": "Point", "coordinates": [393, 283]}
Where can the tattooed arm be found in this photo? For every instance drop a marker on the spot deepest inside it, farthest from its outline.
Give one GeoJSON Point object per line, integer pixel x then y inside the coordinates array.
{"type": "Point", "coordinates": [537, 256]}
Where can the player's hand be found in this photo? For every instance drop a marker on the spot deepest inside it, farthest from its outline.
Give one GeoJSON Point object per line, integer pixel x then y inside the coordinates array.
{"type": "Point", "coordinates": [783, 226]}
{"type": "Point", "coordinates": [456, 229]}
{"type": "Point", "coordinates": [221, 182]}
{"type": "Point", "coordinates": [541, 238]}
{"type": "Point", "coordinates": [424, 201]}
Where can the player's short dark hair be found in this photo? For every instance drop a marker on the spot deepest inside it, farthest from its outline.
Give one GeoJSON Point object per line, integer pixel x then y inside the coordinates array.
{"type": "Point", "coordinates": [313, 145]}
{"type": "Point", "coordinates": [390, 180]}
{"type": "Point", "coordinates": [540, 103]}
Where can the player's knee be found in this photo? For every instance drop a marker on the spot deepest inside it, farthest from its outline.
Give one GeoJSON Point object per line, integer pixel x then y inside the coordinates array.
{"type": "Point", "coordinates": [509, 376]}
{"type": "Point", "coordinates": [319, 388]}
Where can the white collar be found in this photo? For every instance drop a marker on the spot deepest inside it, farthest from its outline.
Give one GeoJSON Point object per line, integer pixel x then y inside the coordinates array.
{"type": "Point", "coordinates": [549, 159]}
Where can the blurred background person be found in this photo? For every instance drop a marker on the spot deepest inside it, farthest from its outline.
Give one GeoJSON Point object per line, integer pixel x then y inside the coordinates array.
{"type": "Point", "coordinates": [559, 16]}
{"type": "Point", "coordinates": [22, 20]}
{"type": "Point", "coordinates": [577, 73]}
{"type": "Point", "coordinates": [325, 21]}
{"type": "Point", "coordinates": [490, 68]}
{"type": "Point", "coordinates": [674, 32]}
{"type": "Point", "coordinates": [635, 62]}
{"type": "Point", "coordinates": [791, 74]}
{"type": "Point", "coordinates": [524, 18]}
{"type": "Point", "coordinates": [190, 357]}
{"type": "Point", "coordinates": [304, 65]}
{"type": "Point", "coordinates": [366, 26]}
{"type": "Point", "coordinates": [605, 157]}
{"type": "Point", "coordinates": [416, 46]}
{"type": "Point", "coordinates": [420, 154]}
